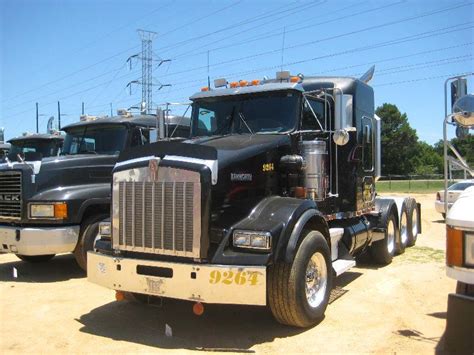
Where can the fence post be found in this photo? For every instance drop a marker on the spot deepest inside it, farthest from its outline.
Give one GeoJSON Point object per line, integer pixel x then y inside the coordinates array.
{"type": "Point", "coordinates": [390, 182]}
{"type": "Point", "coordinates": [409, 183]}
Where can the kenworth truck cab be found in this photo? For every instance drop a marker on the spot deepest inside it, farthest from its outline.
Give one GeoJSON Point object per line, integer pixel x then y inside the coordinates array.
{"type": "Point", "coordinates": [53, 205]}
{"type": "Point", "coordinates": [271, 197]}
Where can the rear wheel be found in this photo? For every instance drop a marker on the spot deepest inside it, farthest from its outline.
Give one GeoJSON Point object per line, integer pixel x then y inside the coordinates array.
{"type": "Point", "coordinates": [35, 258]}
{"type": "Point", "coordinates": [298, 292]}
{"type": "Point", "coordinates": [383, 250]}
{"type": "Point", "coordinates": [413, 220]}
{"type": "Point", "coordinates": [402, 240]}
{"type": "Point", "coordinates": [87, 238]}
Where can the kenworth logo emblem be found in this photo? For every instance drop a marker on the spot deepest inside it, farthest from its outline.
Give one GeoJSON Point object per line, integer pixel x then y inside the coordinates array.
{"type": "Point", "coordinates": [9, 197]}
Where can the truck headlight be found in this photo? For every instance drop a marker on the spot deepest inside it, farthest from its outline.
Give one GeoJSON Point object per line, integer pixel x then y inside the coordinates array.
{"type": "Point", "coordinates": [469, 249]}
{"type": "Point", "coordinates": [56, 210]}
{"type": "Point", "coordinates": [104, 229]}
{"type": "Point", "coordinates": [252, 239]}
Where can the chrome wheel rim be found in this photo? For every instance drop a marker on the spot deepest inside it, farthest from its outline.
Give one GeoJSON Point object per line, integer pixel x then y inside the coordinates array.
{"type": "Point", "coordinates": [404, 229]}
{"type": "Point", "coordinates": [414, 223]}
{"type": "Point", "coordinates": [316, 280]}
{"type": "Point", "coordinates": [390, 237]}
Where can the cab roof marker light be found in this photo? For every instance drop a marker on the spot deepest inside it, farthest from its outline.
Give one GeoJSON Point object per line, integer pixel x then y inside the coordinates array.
{"type": "Point", "coordinates": [221, 82]}
{"type": "Point", "coordinates": [283, 75]}
{"type": "Point", "coordinates": [243, 83]}
{"type": "Point", "coordinates": [234, 84]}
{"type": "Point", "coordinates": [205, 88]}
{"type": "Point", "coordinates": [294, 79]}
{"type": "Point", "coordinates": [255, 82]}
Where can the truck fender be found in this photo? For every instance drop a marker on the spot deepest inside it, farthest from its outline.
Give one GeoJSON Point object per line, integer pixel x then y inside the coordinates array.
{"type": "Point", "coordinates": [383, 206]}
{"type": "Point", "coordinates": [310, 218]}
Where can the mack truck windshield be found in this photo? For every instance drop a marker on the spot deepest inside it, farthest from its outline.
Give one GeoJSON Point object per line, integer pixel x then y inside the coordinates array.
{"type": "Point", "coordinates": [44, 145]}
{"type": "Point", "coordinates": [271, 198]}
{"type": "Point", "coordinates": [52, 204]}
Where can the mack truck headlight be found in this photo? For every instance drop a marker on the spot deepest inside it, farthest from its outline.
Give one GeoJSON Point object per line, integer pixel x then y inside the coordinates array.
{"type": "Point", "coordinates": [104, 229]}
{"type": "Point", "coordinates": [57, 210]}
{"type": "Point", "coordinates": [252, 239]}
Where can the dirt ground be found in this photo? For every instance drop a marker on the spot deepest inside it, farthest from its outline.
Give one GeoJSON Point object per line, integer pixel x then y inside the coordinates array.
{"type": "Point", "coordinates": [398, 308]}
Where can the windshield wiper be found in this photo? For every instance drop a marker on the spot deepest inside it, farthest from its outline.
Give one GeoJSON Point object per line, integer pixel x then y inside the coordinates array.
{"type": "Point", "coordinates": [241, 115]}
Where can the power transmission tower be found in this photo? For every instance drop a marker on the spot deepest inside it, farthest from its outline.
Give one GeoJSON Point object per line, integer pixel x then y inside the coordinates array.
{"type": "Point", "coordinates": [147, 81]}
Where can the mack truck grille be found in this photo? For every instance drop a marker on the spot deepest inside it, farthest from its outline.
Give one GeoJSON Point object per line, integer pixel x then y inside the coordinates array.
{"type": "Point", "coordinates": [157, 213]}
{"type": "Point", "coordinates": [10, 194]}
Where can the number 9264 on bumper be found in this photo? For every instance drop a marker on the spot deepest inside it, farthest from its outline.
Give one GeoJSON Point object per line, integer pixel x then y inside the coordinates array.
{"type": "Point", "coordinates": [208, 283]}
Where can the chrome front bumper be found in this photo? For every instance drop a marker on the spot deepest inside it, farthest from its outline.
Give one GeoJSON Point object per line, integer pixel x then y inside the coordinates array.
{"type": "Point", "coordinates": [228, 284]}
{"type": "Point", "coordinates": [38, 241]}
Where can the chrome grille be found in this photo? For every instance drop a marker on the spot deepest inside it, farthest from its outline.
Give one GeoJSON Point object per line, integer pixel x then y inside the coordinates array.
{"type": "Point", "coordinates": [10, 194]}
{"type": "Point", "coordinates": [160, 215]}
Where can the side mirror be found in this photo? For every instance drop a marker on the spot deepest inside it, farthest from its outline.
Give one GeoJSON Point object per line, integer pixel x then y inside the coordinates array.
{"type": "Point", "coordinates": [458, 90]}
{"type": "Point", "coordinates": [342, 111]}
{"type": "Point", "coordinates": [463, 111]}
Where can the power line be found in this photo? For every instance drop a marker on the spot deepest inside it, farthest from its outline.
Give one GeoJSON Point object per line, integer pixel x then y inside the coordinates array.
{"type": "Point", "coordinates": [365, 64]}
{"type": "Point", "coordinates": [103, 60]}
{"type": "Point", "coordinates": [370, 28]}
{"type": "Point", "coordinates": [272, 33]}
{"type": "Point", "coordinates": [232, 26]}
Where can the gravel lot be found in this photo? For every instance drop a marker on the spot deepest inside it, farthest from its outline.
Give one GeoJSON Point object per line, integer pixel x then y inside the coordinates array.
{"type": "Point", "coordinates": [398, 308]}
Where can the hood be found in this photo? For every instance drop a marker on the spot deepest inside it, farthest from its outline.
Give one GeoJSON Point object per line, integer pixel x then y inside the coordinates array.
{"type": "Point", "coordinates": [235, 148]}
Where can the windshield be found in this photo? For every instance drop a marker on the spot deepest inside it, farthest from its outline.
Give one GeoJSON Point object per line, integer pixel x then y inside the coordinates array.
{"type": "Point", "coordinates": [460, 186]}
{"type": "Point", "coordinates": [46, 148]}
{"type": "Point", "coordinates": [98, 139]}
{"type": "Point", "coordinates": [256, 113]}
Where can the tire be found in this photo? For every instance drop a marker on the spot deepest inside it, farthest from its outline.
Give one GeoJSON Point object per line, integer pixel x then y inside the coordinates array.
{"type": "Point", "coordinates": [402, 240]}
{"type": "Point", "coordinates": [36, 258]}
{"type": "Point", "coordinates": [382, 251]}
{"type": "Point", "coordinates": [287, 283]}
{"type": "Point", "coordinates": [87, 236]}
{"type": "Point", "coordinates": [413, 220]}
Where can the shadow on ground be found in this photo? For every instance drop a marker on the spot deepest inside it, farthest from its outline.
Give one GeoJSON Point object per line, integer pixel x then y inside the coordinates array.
{"type": "Point", "coordinates": [60, 268]}
{"type": "Point", "coordinates": [227, 328]}
{"type": "Point", "coordinates": [221, 327]}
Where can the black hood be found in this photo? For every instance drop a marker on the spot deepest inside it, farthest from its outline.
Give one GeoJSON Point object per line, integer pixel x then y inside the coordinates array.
{"type": "Point", "coordinates": [226, 149]}
{"type": "Point", "coordinates": [235, 148]}
{"type": "Point", "coordinates": [71, 170]}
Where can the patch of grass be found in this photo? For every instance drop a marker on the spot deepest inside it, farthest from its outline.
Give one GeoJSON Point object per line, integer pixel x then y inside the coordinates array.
{"type": "Point", "coordinates": [415, 186]}
{"type": "Point", "coordinates": [422, 255]}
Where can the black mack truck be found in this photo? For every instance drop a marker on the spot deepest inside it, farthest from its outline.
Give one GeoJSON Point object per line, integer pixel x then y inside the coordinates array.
{"type": "Point", "coordinates": [52, 205]}
{"type": "Point", "coordinates": [271, 197]}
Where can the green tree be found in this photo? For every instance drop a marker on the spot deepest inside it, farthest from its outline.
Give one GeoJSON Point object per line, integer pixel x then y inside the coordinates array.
{"type": "Point", "coordinates": [464, 146]}
{"type": "Point", "coordinates": [427, 160]}
{"type": "Point", "coordinates": [399, 142]}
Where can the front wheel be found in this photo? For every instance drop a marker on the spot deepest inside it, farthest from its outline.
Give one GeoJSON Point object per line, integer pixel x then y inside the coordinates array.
{"type": "Point", "coordinates": [87, 238]}
{"type": "Point", "coordinates": [299, 292]}
{"type": "Point", "coordinates": [35, 258]}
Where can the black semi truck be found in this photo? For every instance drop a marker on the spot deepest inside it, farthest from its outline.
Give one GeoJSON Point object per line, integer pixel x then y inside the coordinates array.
{"type": "Point", "coordinates": [271, 197]}
{"type": "Point", "coordinates": [52, 205]}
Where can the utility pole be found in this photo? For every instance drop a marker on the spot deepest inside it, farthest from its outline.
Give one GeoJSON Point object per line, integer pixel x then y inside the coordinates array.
{"type": "Point", "coordinates": [37, 118]}
{"type": "Point", "coordinates": [59, 116]}
{"type": "Point", "coordinates": [147, 81]}
{"type": "Point", "coordinates": [111, 111]}
{"type": "Point", "coordinates": [82, 107]}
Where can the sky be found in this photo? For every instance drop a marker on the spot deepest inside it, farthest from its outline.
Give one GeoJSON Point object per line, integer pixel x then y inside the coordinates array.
{"type": "Point", "coordinates": [76, 52]}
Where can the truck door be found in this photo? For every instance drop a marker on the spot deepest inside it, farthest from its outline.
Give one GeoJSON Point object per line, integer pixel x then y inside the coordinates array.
{"type": "Point", "coordinates": [368, 162]}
